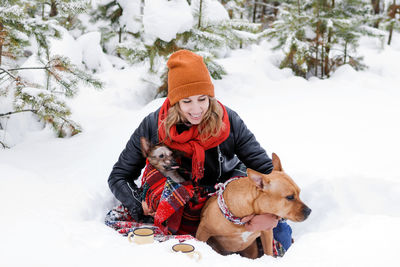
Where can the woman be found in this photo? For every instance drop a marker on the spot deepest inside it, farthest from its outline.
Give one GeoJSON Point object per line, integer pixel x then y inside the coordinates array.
{"type": "Point", "coordinates": [216, 142]}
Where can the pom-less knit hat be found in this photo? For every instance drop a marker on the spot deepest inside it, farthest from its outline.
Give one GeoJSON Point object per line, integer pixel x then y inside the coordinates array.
{"type": "Point", "coordinates": [187, 76]}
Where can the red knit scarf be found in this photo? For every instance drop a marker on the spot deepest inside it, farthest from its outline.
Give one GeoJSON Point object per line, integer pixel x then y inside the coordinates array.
{"type": "Point", "coordinates": [189, 141]}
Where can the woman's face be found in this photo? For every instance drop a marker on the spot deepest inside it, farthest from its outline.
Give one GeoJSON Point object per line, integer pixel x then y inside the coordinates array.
{"type": "Point", "coordinates": [194, 107]}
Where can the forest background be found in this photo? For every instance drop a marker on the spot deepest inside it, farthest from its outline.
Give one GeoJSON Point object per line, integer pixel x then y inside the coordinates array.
{"type": "Point", "coordinates": [315, 81]}
{"type": "Point", "coordinates": [315, 37]}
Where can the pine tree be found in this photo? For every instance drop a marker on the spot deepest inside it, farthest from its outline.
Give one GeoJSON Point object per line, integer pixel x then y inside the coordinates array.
{"type": "Point", "coordinates": [236, 8]}
{"type": "Point", "coordinates": [117, 26]}
{"type": "Point", "coordinates": [206, 38]}
{"type": "Point", "coordinates": [293, 31]}
{"type": "Point", "coordinates": [317, 36]}
{"type": "Point", "coordinates": [22, 23]}
{"type": "Point", "coordinates": [13, 34]}
{"type": "Point", "coordinates": [48, 102]}
{"type": "Point", "coordinates": [231, 33]}
{"type": "Point", "coordinates": [391, 20]}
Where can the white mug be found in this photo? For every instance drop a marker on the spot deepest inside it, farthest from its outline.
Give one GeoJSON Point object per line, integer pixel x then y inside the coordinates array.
{"type": "Point", "coordinates": [187, 249]}
{"type": "Point", "coordinates": [144, 235]}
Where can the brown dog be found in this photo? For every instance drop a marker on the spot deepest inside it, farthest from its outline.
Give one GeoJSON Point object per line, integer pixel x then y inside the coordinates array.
{"type": "Point", "coordinates": [275, 193]}
{"type": "Point", "coordinates": [162, 158]}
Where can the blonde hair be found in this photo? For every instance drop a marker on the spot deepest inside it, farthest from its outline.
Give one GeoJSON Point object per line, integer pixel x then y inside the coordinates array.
{"type": "Point", "coordinates": [210, 125]}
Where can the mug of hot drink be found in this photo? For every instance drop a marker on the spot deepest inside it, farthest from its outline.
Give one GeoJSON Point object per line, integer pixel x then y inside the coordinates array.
{"type": "Point", "coordinates": [141, 236]}
{"type": "Point", "coordinates": [187, 249]}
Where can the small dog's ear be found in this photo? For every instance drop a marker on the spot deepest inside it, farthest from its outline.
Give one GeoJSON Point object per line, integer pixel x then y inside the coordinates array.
{"type": "Point", "coordinates": [177, 153]}
{"type": "Point", "coordinates": [257, 178]}
{"type": "Point", "coordinates": [145, 145]}
{"type": "Point", "coordinates": [276, 162]}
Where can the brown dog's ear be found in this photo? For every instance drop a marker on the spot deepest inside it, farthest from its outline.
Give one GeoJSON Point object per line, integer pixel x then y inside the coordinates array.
{"type": "Point", "coordinates": [145, 145]}
{"type": "Point", "coordinates": [257, 178]}
{"type": "Point", "coordinates": [276, 162]}
{"type": "Point", "coordinates": [177, 153]}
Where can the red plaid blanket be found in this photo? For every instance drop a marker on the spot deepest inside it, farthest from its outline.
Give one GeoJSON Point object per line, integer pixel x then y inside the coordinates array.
{"type": "Point", "coordinates": [177, 206]}
{"type": "Point", "coordinates": [120, 220]}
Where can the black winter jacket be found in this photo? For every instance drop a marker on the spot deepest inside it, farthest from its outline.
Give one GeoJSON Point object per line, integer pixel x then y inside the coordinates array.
{"type": "Point", "coordinates": [229, 159]}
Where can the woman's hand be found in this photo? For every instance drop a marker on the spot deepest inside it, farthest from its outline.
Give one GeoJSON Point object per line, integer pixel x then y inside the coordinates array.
{"type": "Point", "coordinates": [260, 222]}
{"type": "Point", "coordinates": [146, 210]}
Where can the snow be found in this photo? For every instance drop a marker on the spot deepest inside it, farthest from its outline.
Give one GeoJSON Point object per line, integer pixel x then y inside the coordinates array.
{"type": "Point", "coordinates": [92, 53]}
{"type": "Point", "coordinates": [14, 9]}
{"type": "Point", "coordinates": [164, 19]}
{"type": "Point", "coordinates": [337, 138]}
{"type": "Point", "coordinates": [67, 46]}
{"type": "Point", "coordinates": [212, 11]}
{"type": "Point", "coordinates": [309, 32]}
{"type": "Point", "coordinates": [130, 18]}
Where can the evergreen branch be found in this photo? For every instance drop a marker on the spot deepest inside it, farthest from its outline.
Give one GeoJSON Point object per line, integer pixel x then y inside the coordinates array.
{"type": "Point", "coordinates": [24, 68]}
{"type": "Point", "coordinates": [30, 68]}
{"type": "Point", "coordinates": [7, 71]}
{"type": "Point", "coordinates": [4, 145]}
{"type": "Point", "coordinates": [18, 111]}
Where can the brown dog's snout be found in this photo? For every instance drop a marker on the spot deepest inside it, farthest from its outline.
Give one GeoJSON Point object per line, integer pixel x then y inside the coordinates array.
{"type": "Point", "coordinates": [306, 212]}
{"type": "Point", "coordinates": [170, 164]}
{"type": "Point", "coordinates": [173, 162]}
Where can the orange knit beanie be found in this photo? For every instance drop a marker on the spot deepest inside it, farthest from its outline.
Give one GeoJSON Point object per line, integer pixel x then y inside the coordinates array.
{"type": "Point", "coordinates": [187, 76]}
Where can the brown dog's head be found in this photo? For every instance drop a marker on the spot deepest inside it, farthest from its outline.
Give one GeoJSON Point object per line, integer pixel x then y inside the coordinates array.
{"type": "Point", "coordinates": [279, 194]}
{"type": "Point", "coordinates": [160, 156]}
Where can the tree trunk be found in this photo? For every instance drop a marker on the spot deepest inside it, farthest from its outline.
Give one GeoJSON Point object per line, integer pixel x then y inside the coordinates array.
{"type": "Point", "coordinates": [254, 11]}
{"type": "Point", "coordinates": [345, 52]}
{"type": "Point", "coordinates": [322, 61]}
{"type": "Point", "coordinates": [53, 9]}
{"type": "Point", "coordinates": [142, 8]}
{"type": "Point", "coordinates": [119, 39]}
{"type": "Point", "coordinates": [327, 50]}
{"type": "Point", "coordinates": [318, 36]}
{"type": "Point", "coordinates": [263, 11]}
{"type": "Point", "coordinates": [298, 6]}
{"type": "Point", "coordinates": [316, 50]}
{"type": "Point", "coordinates": [375, 6]}
{"type": "Point", "coordinates": [393, 10]}
{"type": "Point", "coordinates": [1, 41]}
{"type": "Point", "coordinates": [316, 60]}
{"type": "Point", "coordinates": [200, 13]}
{"type": "Point", "coordinates": [390, 34]}
{"type": "Point", "coordinates": [377, 10]}
{"type": "Point", "coordinates": [326, 64]}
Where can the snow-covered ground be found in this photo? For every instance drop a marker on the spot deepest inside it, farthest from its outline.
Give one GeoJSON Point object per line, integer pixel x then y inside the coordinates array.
{"type": "Point", "coordinates": [338, 139]}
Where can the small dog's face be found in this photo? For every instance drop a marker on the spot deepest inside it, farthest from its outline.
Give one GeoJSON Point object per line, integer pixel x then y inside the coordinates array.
{"type": "Point", "coordinates": [160, 156]}
{"type": "Point", "coordinates": [279, 194]}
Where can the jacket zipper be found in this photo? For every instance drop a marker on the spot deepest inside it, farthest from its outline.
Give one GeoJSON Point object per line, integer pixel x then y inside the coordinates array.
{"type": "Point", "coordinates": [220, 160]}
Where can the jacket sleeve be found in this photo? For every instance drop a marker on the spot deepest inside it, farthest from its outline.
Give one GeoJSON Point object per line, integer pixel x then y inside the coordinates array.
{"type": "Point", "coordinates": [128, 168]}
{"type": "Point", "coordinates": [247, 148]}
